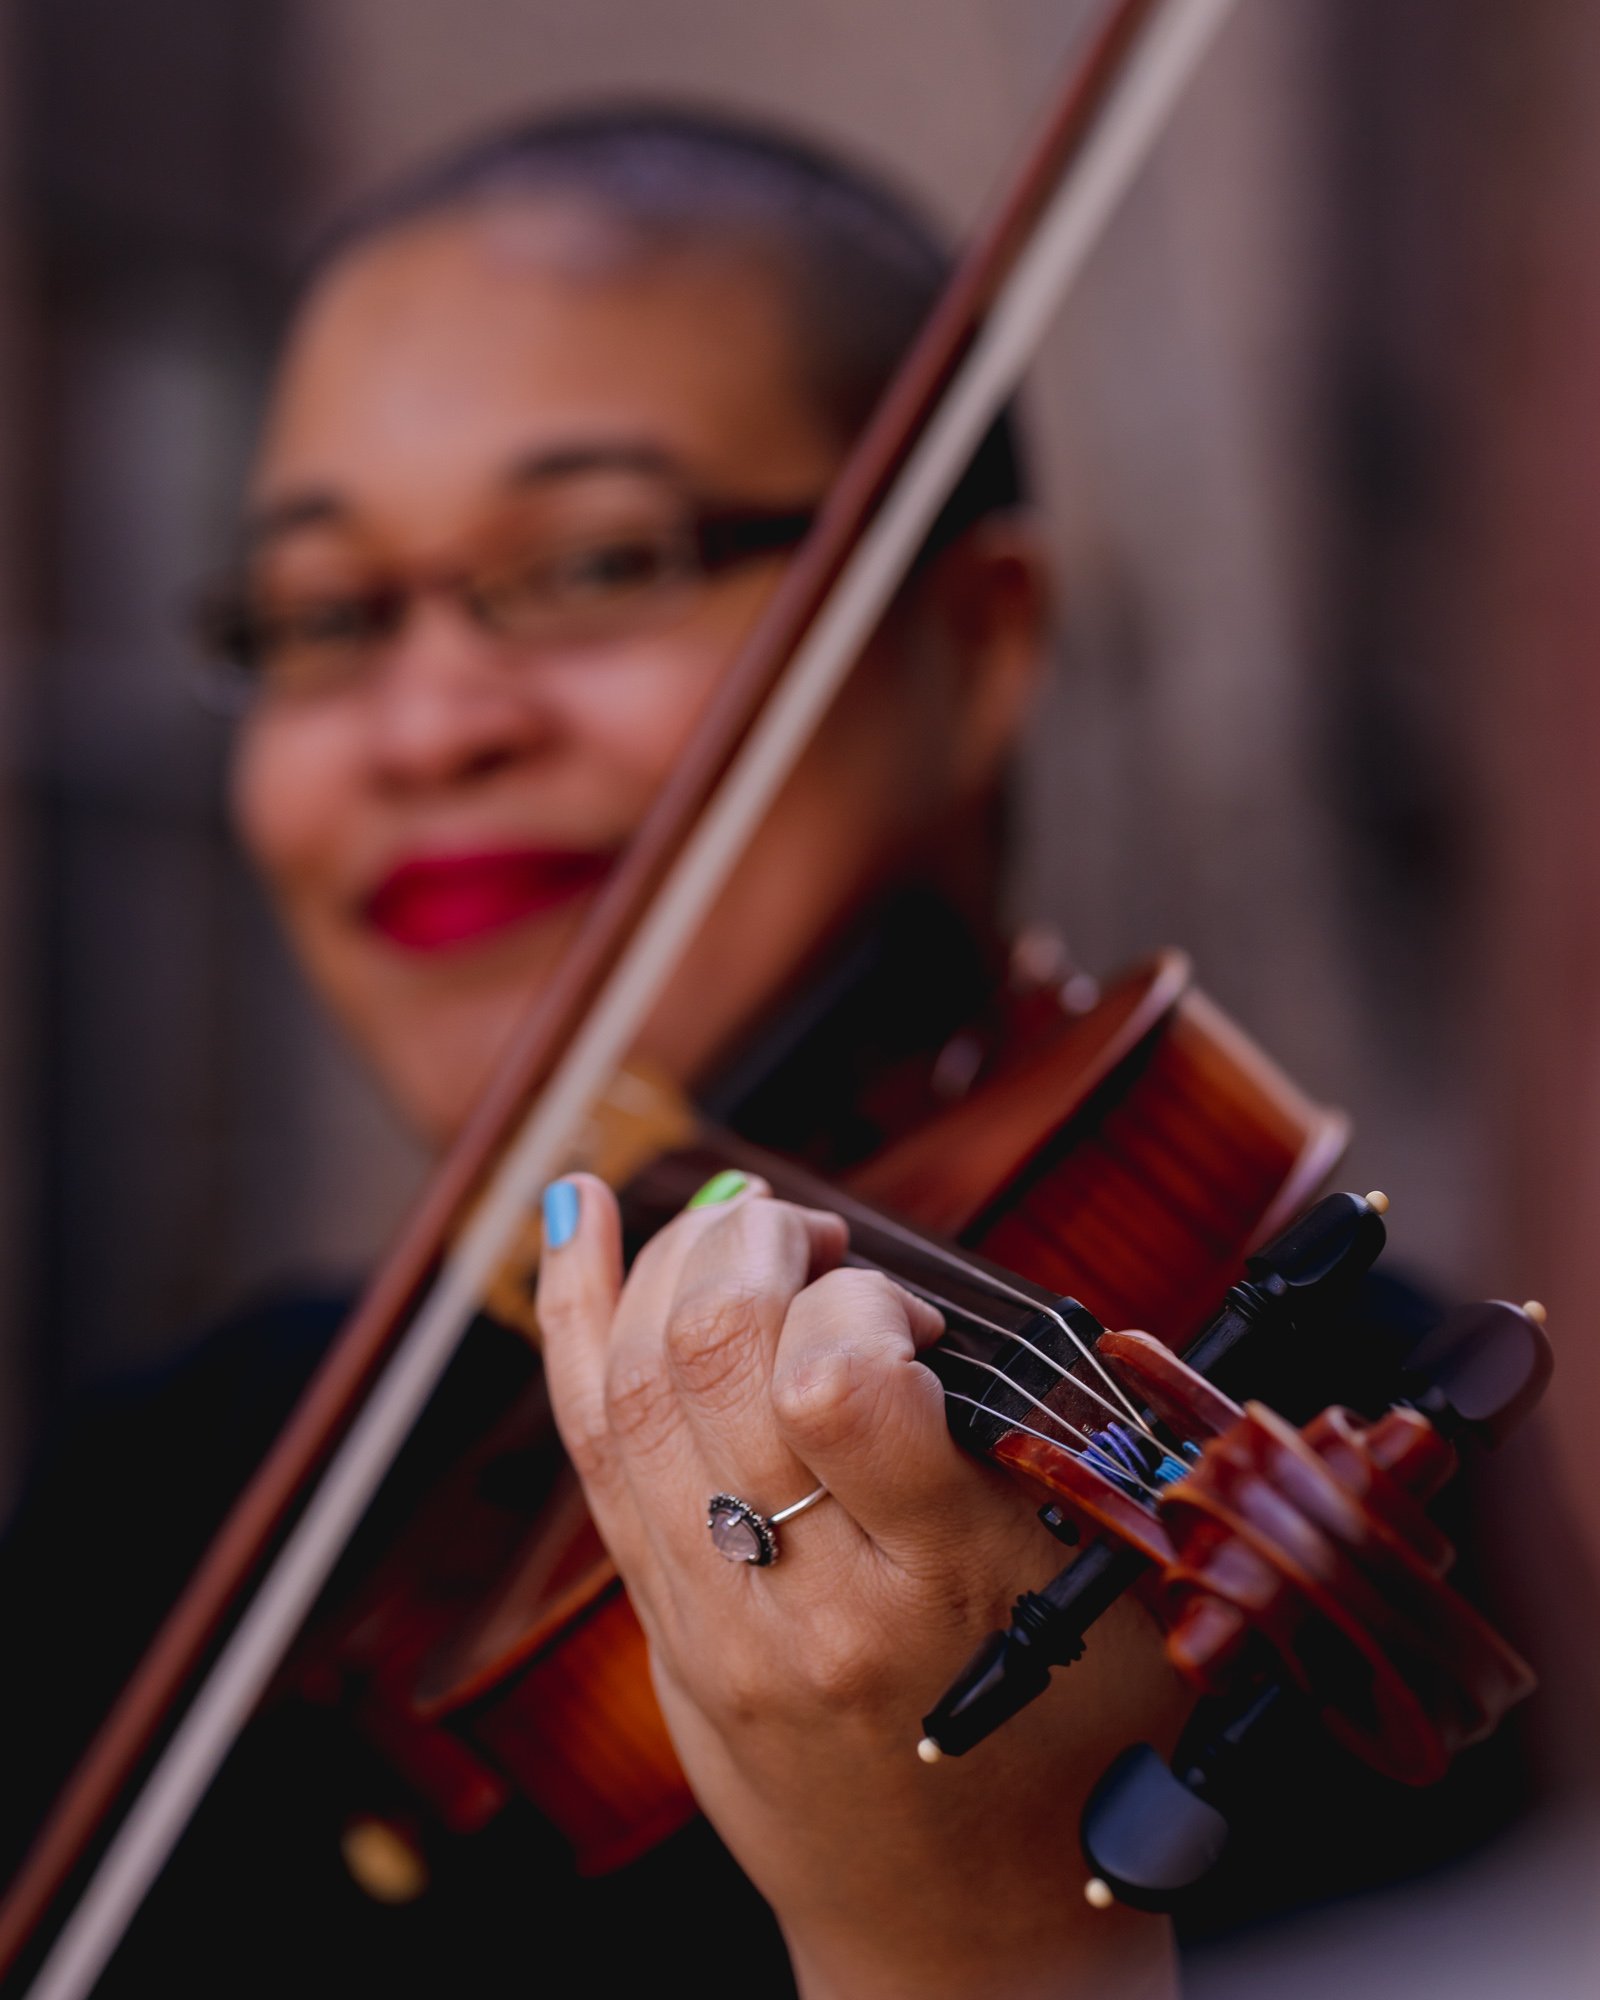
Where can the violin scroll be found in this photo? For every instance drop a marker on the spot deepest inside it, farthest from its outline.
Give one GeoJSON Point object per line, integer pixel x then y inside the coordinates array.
{"type": "Point", "coordinates": [1291, 1566]}
{"type": "Point", "coordinates": [1304, 1566]}
{"type": "Point", "coordinates": [1312, 1546]}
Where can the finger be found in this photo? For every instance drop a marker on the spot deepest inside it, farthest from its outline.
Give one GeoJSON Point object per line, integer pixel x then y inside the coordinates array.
{"type": "Point", "coordinates": [655, 1269]}
{"type": "Point", "coordinates": [580, 1282]}
{"type": "Point", "coordinates": [735, 1285]}
{"type": "Point", "coordinates": [690, 1360]}
{"type": "Point", "coordinates": [648, 1424]}
{"type": "Point", "coordinates": [853, 1402]}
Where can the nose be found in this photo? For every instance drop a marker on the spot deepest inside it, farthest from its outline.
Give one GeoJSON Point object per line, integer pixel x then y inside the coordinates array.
{"type": "Point", "coordinates": [446, 708]}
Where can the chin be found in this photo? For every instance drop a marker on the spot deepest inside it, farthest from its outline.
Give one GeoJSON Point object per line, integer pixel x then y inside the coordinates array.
{"type": "Point", "coordinates": [434, 1059]}
{"type": "Point", "coordinates": [430, 1108]}
{"type": "Point", "coordinates": [432, 1030]}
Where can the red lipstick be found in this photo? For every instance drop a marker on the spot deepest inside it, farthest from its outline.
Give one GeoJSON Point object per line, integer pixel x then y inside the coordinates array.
{"type": "Point", "coordinates": [433, 902]}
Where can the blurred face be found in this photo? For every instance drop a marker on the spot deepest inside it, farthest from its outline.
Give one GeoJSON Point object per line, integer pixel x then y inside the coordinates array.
{"type": "Point", "coordinates": [521, 492]}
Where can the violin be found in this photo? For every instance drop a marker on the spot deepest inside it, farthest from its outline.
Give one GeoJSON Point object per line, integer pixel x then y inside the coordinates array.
{"type": "Point", "coordinates": [1087, 1141]}
{"type": "Point", "coordinates": [1140, 1150]}
{"type": "Point", "coordinates": [1145, 1219]}
{"type": "Point", "coordinates": [1141, 1154]}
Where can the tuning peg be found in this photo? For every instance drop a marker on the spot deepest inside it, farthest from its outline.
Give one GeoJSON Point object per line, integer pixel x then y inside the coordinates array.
{"type": "Point", "coordinates": [1148, 1836]}
{"type": "Point", "coordinates": [1335, 1241]}
{"type": "Point", "coordinates": [1153, 1832]}
{"type": "Point", "coordinates": [1481, 1369]}
{"type": "Point", "coordinates": [1305, 1270]}
{"type": "Point", "coordinates": [1012, 1668]}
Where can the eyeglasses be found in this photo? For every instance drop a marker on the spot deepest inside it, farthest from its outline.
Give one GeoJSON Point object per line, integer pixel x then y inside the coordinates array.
{"type": "Point", "coordinates": [581, 560]}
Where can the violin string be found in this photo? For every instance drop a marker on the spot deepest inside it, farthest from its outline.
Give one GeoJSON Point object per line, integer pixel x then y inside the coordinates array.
{"type": "Point", "coordinates": [977, 1276]}
{"type": "Point", "coordinates": [1089, 1447]}
{"type": "Point", "coordinates": [955, 1396]}
{"type": "Point", "coordinates": [950, 1306]}
{"type": "Point", "coordinates": [1077, 1431]}
{"type": "Point", "coordinates": [981, 1278]}
{"type": "Point", "coordinates": [1086, 1447]}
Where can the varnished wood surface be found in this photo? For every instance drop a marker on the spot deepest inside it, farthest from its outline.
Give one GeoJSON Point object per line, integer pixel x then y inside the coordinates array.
{"type": "Point", "coordinates": [1129, 1156]}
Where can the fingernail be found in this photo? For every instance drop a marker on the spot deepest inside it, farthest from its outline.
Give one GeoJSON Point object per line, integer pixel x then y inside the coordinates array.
{"type": "Point", "coordinates": [720, 1187]}
{"type": "Point", "coordinates": [560, 1214]}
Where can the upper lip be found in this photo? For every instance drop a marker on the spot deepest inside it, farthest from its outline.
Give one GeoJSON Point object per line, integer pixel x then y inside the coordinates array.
{"type": "Point", "coordinates": [425, 901]}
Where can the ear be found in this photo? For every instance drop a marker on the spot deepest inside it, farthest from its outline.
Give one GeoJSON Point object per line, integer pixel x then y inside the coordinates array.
{"type": "Point", "coordinates": [991, 601]}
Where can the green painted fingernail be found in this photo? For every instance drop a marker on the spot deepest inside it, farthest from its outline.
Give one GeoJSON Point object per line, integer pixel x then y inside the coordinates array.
{"type": "Point", "coordinates": [720, 1187]}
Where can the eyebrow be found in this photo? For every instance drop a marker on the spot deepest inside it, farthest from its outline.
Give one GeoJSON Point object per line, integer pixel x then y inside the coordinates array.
{"type": "Point", "coordinates": [320, 508]}
{"type": "Point", "coordinates": [297, 510]}
{"type": "Point", "coordinates": [620, 456]}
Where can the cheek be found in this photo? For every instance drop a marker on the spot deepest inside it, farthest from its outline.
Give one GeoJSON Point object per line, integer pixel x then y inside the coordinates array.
{"type": "Point", "coordinates": [634, 711]}
{"type": "Point", "coordinates": [626, 724]}
{"type": "Point", "coordinates": [286, 790]}
{"type": "Point", "coordinates": [864, 800]}
{"type": "Point", "coordinates": [880, 761]}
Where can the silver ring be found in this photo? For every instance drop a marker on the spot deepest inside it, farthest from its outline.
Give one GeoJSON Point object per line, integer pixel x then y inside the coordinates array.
{"type": "Point", "coordinates": [743, 1535]}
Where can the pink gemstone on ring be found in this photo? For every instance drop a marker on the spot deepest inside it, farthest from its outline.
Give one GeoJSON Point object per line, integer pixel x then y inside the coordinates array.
{"type": "Point", "coordinates": [738, 1532]}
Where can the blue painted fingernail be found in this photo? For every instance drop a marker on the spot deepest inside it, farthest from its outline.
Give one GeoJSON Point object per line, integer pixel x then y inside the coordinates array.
{"type": "Point", "coordinates": [560, 1214]}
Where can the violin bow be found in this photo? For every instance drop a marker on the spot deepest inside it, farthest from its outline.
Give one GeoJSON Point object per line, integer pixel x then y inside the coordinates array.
{"type": "Point", "coordinates": [361, 1405]}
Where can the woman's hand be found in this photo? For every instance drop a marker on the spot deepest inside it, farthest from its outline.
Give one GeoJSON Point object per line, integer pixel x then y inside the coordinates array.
{"type": "Point", "coordinates": [741, 1356]}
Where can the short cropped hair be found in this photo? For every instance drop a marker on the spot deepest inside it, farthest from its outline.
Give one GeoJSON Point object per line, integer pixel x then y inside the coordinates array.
{"type": "Point", "coordinates": [859, 266]}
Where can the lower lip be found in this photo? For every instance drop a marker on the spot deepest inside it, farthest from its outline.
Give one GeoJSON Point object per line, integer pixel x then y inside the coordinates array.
{"type": "Point", "coordinates": [429, 906]}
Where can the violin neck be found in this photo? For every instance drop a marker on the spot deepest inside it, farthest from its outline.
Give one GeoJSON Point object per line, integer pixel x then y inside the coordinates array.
{"type": "Point", "coordinates": [1000, 1328]}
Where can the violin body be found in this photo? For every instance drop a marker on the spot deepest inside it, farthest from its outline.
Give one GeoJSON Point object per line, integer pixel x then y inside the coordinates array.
{"type": "Point", "coordinates": [1129, 1155]}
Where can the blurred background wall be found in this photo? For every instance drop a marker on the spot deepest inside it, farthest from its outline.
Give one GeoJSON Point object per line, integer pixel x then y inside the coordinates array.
{"type": "Point", "coordinates": [13, 967]}
{"type": "Point", "coordinates": [1316, 435]}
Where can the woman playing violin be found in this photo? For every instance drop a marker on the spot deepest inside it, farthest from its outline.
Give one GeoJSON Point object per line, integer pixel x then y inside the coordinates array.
{"type": "Point", "coordinates": [547, 423]}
